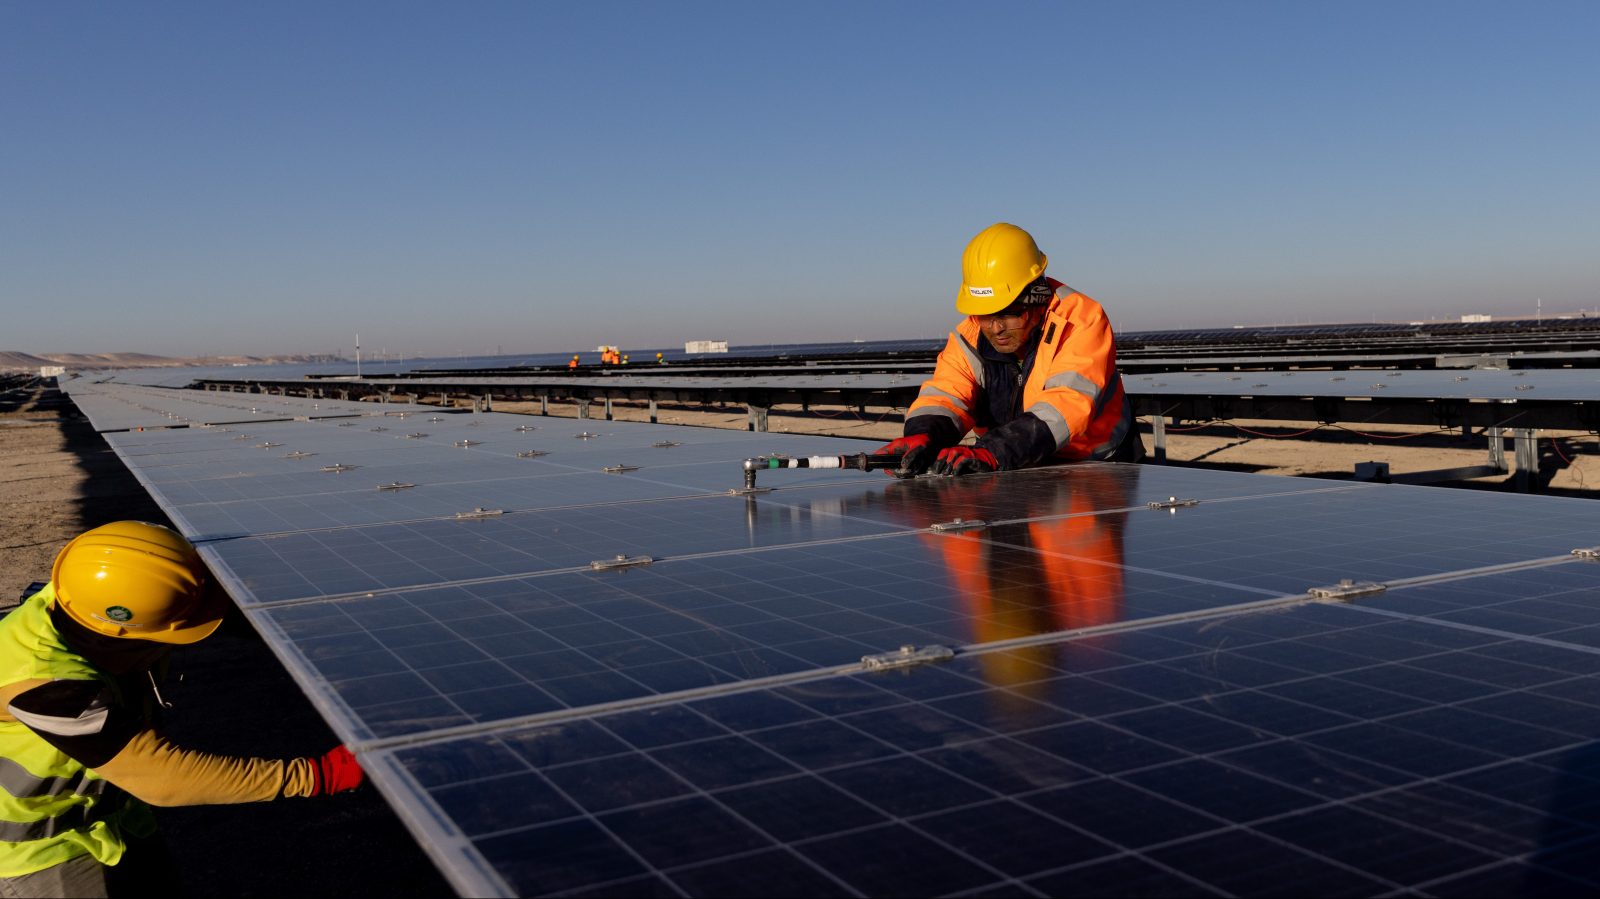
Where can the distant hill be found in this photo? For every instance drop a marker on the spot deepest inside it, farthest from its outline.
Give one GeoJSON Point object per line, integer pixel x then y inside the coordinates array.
{"type": "Point", "coordinates": [12, 360]}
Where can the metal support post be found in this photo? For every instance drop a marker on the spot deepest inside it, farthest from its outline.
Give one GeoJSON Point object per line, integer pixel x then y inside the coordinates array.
{"type": "Point", "coordinates": [1158, 431]}
{"type": "Point", "coordinates": [544, 404]}
{"type": "Point", "coordinates": [583, 408]}
{"type": "Point", "coordinates": [1527, 446]}
{"type": "Point", "coordinates": [608, 409]}
{"type": "Point", "coordinates": [755, 418]}
{"type": "Point", "coordinates": [1497, 448]}
{"type": "Point", "coordinates": [652, 410]}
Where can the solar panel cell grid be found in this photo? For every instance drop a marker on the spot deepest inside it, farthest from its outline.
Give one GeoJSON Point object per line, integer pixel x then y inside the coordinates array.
{"type": "Point", "coordinates": [586, 637]}
{"type": "Point", "coordinates": [835, 771]}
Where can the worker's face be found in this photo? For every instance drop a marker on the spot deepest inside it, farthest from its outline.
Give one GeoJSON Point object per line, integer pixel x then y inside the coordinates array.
{"type": "Point", "coordinates": [1008, 330]}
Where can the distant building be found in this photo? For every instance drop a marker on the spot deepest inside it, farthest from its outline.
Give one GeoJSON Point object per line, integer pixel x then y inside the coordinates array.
{"type": "Point", "coordinates": [706, 346]}
{"type": "Point", "coordinates": [1476, 318]}
{"type": "Point", "coordinates": [52, 371]}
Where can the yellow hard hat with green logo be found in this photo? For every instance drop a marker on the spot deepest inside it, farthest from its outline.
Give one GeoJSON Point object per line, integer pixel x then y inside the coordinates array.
{"type": "Point", "coordinates": [137, 580]}
{"type": "Point", "coordinates": [997, 265]}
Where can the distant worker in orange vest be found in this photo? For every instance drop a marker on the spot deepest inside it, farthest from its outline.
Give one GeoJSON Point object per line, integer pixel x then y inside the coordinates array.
{"type": "Point", "coordinates": [573, 363]}
{"type": "Point", "coordinates": [1032, 371]}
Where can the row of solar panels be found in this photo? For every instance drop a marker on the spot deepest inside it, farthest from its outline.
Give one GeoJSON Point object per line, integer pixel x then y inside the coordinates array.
{"type": "Point", "coordinates": [1543, 385]}
{"type": "Point", "coordinates": [577, 664]}
{"type": "Point", "coordinates": [1566, 327]}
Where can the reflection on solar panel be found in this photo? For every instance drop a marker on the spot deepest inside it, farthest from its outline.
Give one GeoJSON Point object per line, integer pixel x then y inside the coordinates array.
{"type": "Point", "coordinates": [575, 682]}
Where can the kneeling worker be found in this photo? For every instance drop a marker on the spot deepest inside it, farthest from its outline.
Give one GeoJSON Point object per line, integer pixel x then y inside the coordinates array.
{"type": "Point", "coordinates": [1032, 370]}
{"type": "Point", "coordinates": [80, 755]}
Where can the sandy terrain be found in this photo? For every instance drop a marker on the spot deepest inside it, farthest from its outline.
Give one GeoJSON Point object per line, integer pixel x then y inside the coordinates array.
{"type": "Point", "coordinates": [59, 478]}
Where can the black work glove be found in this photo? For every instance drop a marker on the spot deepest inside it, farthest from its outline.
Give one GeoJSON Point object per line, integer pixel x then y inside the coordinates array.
{"type": "Point", "coordinates": [960, 460]}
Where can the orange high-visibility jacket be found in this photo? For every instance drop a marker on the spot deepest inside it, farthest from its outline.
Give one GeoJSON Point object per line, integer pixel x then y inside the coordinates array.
{"type": "Point", "coordinates": [1073, 385]}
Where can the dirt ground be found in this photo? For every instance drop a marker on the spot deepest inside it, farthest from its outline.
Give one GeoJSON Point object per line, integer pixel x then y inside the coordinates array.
{"type": "Point", "coordinates": [59, 478]}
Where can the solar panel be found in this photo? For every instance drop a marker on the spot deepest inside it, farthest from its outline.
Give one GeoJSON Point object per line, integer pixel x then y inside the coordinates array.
{"type": "Point", "coordinates": [588, 637]}
{"type": "Point", "coordinates": [1131, 696]}
{"type": "Point", "coordinates": [497, 546]}
{"type": "Point", "coordinates": [1161, 759]}
{"type": "Point", "coordinates": [1555, 385]}
{"type": "Point", "coordinates": [116, 407]}
{"type": "Point", "coordinates": [298, 476]}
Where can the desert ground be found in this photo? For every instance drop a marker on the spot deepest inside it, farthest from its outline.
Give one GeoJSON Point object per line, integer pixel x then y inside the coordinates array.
{"type": "Point", "coordinates": [59, 478]}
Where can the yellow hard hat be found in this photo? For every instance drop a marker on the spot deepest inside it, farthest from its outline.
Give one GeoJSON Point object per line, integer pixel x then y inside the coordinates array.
{"type": "Point", "coordinates": [137, 580]}
{"type": "Point", "coordinates": [997, 265]}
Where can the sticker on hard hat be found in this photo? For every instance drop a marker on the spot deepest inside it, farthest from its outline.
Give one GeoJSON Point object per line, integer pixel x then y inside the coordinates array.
{"type": "Point", "coordinates": [119, 614]}
{"type": "Point", "coordinates": [981, 291]}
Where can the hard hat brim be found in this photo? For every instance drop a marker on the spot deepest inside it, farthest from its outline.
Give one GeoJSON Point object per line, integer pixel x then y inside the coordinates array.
{"type": "Point", "coordinates": [200, 623]}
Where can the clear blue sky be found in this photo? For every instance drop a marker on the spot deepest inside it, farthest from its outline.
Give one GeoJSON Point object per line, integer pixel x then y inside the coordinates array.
{"type": "Point", "coordinates": [197, 177]}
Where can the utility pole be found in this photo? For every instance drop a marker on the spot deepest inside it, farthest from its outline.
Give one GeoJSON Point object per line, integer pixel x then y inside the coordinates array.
{"type": "Point", "coordinates": [358, 355]}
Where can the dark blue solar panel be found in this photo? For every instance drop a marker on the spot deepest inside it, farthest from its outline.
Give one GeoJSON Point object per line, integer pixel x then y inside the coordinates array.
{"type": "Point", "coordinates": [991, 773]}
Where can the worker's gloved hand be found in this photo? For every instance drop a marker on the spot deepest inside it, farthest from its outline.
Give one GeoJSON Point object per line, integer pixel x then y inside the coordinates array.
{"type": "Point", "coordinates": [337, 771]}
{"type": "Point", "coordinates": [959, 460]}
{"type": "Point", "coordinates": [915, 455]}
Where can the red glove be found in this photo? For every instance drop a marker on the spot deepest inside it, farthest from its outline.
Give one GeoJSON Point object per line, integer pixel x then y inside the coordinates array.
{"type": "Point", "coordinates": [915, 455]}
{"type": "Point", "coordinates": [337, 771]}
{"type": "Point", "coordinates": [959, 460]}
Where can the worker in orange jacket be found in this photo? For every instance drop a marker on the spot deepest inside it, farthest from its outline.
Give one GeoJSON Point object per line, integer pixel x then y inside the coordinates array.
{"type": "Point", "coordinates": [1032, 372]}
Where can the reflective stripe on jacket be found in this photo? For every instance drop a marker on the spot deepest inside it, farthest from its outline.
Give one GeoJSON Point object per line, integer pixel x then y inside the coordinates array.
{"type": "Point", "coordinates": [1072, 387]}
{"type": "Point", "coordinates": [52, 808]}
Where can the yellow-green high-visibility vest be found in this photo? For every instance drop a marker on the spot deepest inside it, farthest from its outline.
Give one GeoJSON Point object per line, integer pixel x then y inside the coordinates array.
{"type": "Point", "coordinates": [52, 808]}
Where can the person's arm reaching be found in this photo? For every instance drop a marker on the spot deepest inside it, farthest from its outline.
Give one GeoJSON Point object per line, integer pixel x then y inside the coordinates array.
{"type": "Point", "coordinates": [82, 720]}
